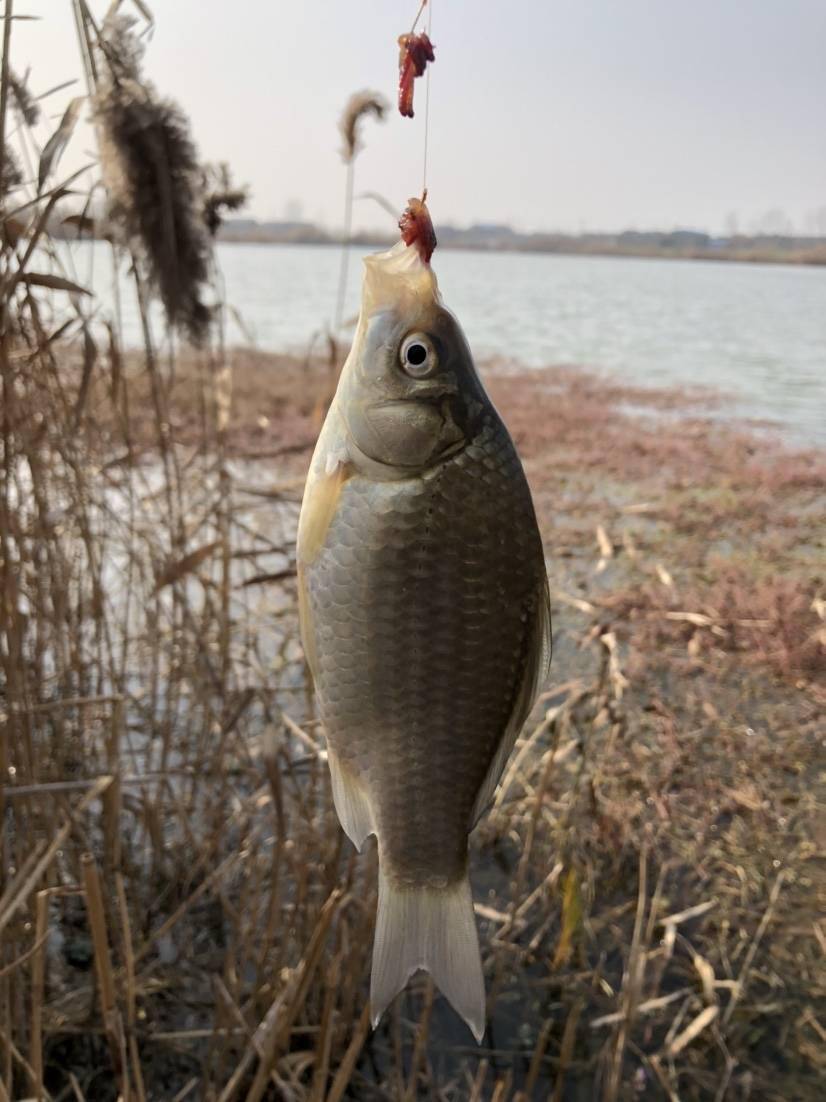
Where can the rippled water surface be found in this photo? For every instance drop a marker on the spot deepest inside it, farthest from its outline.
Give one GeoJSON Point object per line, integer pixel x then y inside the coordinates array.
{"type": "Point", "coordinates": [756, 332]}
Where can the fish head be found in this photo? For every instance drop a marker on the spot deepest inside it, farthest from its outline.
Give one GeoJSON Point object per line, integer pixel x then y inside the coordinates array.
{"type": "Point", "coordinates": [409, 394]}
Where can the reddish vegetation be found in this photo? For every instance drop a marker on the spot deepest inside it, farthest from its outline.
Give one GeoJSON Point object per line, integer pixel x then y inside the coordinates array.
{"type": "Point", "coordinates": [734, 519]}
{"type": "Point", "coordinates": [415, 50]}
{"type": "Point", "coordinates": [417, 228]}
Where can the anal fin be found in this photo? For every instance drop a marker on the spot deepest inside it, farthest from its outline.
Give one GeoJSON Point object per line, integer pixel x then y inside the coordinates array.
{"type": "Point", "coordinates": [351, 801]}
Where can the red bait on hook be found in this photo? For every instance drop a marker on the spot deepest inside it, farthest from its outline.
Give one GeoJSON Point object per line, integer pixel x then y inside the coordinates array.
{"type": "Point", "coordinates": [415, 50]}
{"type": "Point", "coordinates": [417, 227]}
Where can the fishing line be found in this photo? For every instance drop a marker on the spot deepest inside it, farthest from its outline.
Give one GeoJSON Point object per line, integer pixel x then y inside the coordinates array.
{"type": "Point", "coordinates": [426, 95]}
{"type": "Point", "coordinates": [418, 16]}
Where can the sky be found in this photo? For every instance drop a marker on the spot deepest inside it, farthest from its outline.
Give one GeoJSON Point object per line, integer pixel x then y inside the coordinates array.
{"type": "Point", "coordinates": [571, 115]}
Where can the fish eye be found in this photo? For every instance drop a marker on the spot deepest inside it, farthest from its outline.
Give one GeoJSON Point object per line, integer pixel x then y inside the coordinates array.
{"type": "Point", "coordinates": [418, 356]}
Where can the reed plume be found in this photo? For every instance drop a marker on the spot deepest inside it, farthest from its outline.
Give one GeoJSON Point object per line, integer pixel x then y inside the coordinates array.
{"type": "Point", "coordinates": [220, 195]}
{"type": "Point", "coordinates": [26, 103]}
{"type": "Point", "coordinates": [10, 174]}
{"type": "Point", "coordinates": [357, 107]}
{"type": "Point", "coordinates": [153, 179]}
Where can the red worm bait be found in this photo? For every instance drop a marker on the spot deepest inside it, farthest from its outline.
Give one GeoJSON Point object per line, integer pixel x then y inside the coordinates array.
{"type": "Point", "coordinates": [415, 50]}
{"type": "Point", "coordinates": [417, 228]}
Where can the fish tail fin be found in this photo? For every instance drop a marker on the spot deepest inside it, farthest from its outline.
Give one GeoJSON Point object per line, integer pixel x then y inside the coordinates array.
{"type": "Point", "coordinates": [434, 929]}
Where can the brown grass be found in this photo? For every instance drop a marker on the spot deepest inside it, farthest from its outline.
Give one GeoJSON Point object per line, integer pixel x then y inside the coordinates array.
{"type": "Point", "coordinates": [180, 913]}
{"type": "Point", "coordinates": [678, 746]}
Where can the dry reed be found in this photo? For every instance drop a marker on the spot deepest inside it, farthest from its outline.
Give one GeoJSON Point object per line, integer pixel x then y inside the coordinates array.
{"type": "Point", "coordinates": [220, 195]}
{"type": "Point", "coordinates": [153, 178]}
{"type": "Point", "coordinates": [24, 100]}
{"type": "Point", "coordinates": [180, 914]}
{"type": "Point", "coordinates": [359, 105]}
{"type": "Point", "coordinates": [357, 108]}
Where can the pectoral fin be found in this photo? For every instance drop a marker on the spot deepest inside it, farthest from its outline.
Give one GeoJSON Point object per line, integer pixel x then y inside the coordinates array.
{"type": "Point", "coordinates": [305, 623]}
{"type": "Point", "coordinates": [321, 497]}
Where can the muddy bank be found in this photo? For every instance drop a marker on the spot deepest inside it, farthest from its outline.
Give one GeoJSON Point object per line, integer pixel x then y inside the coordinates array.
{"type": "Point", "coordinates": [621, 475]}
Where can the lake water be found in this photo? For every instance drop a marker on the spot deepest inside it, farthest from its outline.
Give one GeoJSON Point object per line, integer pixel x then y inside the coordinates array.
{"type": "Point", "coordinates": [754, 332]}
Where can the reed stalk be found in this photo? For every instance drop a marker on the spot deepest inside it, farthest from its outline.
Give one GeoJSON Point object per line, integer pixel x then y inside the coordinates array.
{"type": "Point", "coordinates": [155, 714]}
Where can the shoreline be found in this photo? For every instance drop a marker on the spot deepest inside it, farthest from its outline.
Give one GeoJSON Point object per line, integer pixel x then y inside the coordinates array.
{"type": "Point", "coordinates": [795, 256]}
{"type": "Point", "coordinates": [806, 259]}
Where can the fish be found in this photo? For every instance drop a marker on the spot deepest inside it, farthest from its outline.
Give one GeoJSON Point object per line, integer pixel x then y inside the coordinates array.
{"type": "Point", "coordinates": [424, 610]}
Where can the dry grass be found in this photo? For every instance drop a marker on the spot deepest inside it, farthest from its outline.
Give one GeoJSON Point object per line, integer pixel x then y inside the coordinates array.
{"type": "Point", "coordinates": [180, 913]}
{"type": "Point", "coordinates": [646, 885]}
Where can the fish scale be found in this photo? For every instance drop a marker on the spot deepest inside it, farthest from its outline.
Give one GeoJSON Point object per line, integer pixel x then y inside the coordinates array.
{"type": "Point", "coordinates": [429, 714]}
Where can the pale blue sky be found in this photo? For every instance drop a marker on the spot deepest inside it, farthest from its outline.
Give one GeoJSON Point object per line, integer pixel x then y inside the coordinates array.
{"type": "Point", "coordinates": [551, 114]}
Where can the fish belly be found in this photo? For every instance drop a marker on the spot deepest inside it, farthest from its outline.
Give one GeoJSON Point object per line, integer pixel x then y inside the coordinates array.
{"type": "Point", "coordinates": [423, 601]}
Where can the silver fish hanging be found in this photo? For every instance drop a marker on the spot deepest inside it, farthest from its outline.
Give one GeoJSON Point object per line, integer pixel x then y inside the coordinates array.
{"type": "Point", "coordinates": [424, 614]}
